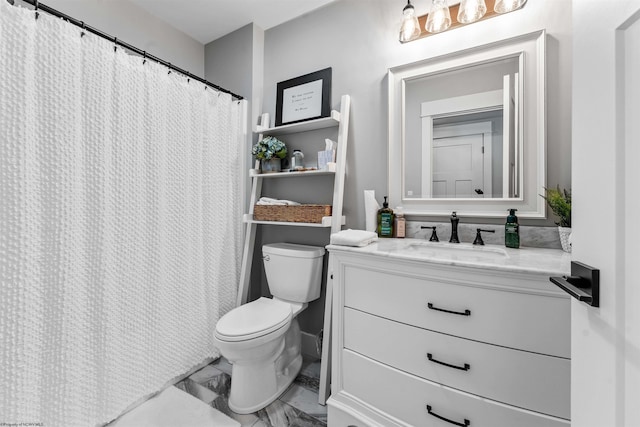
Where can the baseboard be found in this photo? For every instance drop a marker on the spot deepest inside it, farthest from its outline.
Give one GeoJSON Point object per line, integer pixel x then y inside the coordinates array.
{"type": "Point", "coordinates": [308, 344]}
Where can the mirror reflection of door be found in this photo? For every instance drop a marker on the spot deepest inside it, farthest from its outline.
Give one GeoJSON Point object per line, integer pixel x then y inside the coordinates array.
{"type": "Point", "coordinates": [436, 168]}
{"type": "Point", "coordinates": [461, 154]}
{"type": "Point", "coordinates": [462, 151]}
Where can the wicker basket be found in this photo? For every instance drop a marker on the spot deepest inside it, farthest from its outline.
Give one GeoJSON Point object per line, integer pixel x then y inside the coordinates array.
{"type": "Point", "coordinates": [301, 213]}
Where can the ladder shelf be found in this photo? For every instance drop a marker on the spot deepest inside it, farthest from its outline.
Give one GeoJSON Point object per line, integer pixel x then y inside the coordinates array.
{"type": "Point", "coordinates": [253, 173]}
{"type": "Point", "coordinates": [326, 222]}
{"type": "Point", "coordinates": [326, 122]}
{"type": "Point", "coordinates": [334, 223]}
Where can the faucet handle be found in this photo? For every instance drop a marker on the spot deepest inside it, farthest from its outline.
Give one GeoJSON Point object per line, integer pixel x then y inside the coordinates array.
{"type": "Point", "coordinates": [434, 235]}
{"type": "Point", "coordinates": [479, 240]}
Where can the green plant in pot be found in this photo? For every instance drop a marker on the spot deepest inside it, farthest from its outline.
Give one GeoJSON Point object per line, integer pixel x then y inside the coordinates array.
{"type": "Point", "coordinates": [270, 151]}
{"type": "Point", "coordinates": [560, 203]}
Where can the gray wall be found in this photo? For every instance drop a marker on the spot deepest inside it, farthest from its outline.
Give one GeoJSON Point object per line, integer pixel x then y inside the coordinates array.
{"type": "Point", "coordinates": [358, 39]}
{"type": "Point", "coordinates": [133, 25]}
{"type": "Point", "coordinates": [229, 60]}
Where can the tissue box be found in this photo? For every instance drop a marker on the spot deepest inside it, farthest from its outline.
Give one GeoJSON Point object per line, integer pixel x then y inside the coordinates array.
{"type": "Point", "coordinates": [324, 157]}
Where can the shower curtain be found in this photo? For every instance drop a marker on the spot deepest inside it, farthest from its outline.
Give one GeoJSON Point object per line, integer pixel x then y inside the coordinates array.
{"type": "Point", "coordinates": [119, 222]}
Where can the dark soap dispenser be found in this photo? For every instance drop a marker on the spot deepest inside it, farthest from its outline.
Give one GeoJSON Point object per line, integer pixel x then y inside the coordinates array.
{"type": "Point", "coordinates": [385, 220]}
{"type": "Point", "coordinates": [512, 230]}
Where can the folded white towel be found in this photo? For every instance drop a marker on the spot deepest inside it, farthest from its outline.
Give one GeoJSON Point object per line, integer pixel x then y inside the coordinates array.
{"type": "Point", "coordinates": [270, 201]}
{"type": "Point", "coordinates": [350, 237]}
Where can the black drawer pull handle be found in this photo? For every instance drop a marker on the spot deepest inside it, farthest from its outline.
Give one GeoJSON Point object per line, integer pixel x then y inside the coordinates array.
{"type": "Point", "coordinates": [440, 417]}
{"type": "Point", "coordinates": [466, 366]}
{"type": "Point", "coordinates": [461, 313]}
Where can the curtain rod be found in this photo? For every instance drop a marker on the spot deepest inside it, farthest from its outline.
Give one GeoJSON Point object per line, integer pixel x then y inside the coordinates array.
{"type": "Point", "coordinates": [39, 6]}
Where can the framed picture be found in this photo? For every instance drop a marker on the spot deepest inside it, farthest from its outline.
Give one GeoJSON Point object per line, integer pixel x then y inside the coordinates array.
{"type": "Point", "coordinates": [304, 98]}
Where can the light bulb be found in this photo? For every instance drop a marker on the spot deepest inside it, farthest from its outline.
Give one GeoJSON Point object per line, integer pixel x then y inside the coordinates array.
{"type": "Point", "coordinates": [504, 6]}
{"type": "Point", "coordinates": [439, 18]}
{"type": "Point", "coordinates": [410, 28]}
{"type": "Point", "coordinates": [471, 11]}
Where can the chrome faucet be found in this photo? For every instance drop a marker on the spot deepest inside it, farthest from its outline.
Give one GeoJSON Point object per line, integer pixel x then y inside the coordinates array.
{"type": "Point", "coordinates": [454, 228]}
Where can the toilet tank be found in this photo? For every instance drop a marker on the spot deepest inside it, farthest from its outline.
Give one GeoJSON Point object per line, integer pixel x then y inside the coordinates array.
{"type": "Point", "coordinates": [294, 272]}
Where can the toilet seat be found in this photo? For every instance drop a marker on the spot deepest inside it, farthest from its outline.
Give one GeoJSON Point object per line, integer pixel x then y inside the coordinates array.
{"type": "Point", "coordinates": [255, 319]}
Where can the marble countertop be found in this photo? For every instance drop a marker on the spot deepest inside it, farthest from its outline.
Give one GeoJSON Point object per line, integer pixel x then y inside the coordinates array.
{"type": "Point", "coordinates": [553, 262]}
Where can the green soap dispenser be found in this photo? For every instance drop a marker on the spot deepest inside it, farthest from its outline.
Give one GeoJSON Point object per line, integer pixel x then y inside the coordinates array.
{"type": "Point", "coordinates": [385, 220]}
{"type": "Point", "coordinates": [512, 230]}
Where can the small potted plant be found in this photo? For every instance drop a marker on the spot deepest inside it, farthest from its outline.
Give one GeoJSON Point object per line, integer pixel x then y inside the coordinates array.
{"type": "Point", "coordinates": [560, 203]}
{"type": "Point", "coordinates": [270, 151]}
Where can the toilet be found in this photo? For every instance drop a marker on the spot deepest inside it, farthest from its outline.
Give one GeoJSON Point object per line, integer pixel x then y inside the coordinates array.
{"type": "Point", "coordinates": [262, 338]}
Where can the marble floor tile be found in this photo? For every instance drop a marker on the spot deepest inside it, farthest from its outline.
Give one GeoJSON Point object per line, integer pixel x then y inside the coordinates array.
{"type": "Point", "coordinates": [310, 368]}
{"type": "Point", "coordinates": [280, 414]}
{"type": "Point", "coordinates": [306, 401]}
{"type": "Point", "coordinates": [222, 404]}
{"type": "Point", "coordinates": [196, 390]}
{"type": "Point", "coordinates": [202, 400]}
{"type": "Point", "coordinates": [220, 384]}
{"type": "Point", "coordinates": [223, 365]}
{"type": "Point", "coordinates": [206, 374]}
{"type": "Point", "coordinates": [308, 382]}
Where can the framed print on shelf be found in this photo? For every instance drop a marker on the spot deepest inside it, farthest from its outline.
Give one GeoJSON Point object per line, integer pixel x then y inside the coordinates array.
{"type": "Point", "coordinates": [304, 98]}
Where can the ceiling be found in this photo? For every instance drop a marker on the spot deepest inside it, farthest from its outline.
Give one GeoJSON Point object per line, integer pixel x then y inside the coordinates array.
{"type": "Point", "coordinates": [207, 20]}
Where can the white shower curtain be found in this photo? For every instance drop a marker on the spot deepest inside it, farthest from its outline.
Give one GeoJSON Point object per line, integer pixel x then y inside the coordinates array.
{"type": "Point", "coordinates": [119, 222]}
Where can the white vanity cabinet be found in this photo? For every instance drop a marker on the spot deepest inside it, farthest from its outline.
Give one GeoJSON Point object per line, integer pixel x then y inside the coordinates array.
{"type": "Point", "coordinates": [421, 342]}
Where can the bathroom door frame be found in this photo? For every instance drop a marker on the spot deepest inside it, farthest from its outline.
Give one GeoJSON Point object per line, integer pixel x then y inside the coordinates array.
{"type": "Point", "coordinates": [605, 341]}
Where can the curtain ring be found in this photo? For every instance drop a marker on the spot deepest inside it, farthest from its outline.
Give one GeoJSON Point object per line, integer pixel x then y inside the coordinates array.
{"type": "Point", "coordinates": [169, 66]}
{"type": "Point", "coordinates": [82, 33]}
{"type": "Point", "coordinates": [36, 9]}
{"type": "Point", "coordinates": [115, 44]}
{"type": "Point", "coordinates": [144, 57]}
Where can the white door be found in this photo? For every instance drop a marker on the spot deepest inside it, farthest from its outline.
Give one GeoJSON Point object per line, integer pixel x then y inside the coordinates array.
{"type": "Point", "coordinates": [458, 160]}
{"type": "Point", "coordinates": [458, 166]}
{"type": "Point", "coordinates": [605, 377]}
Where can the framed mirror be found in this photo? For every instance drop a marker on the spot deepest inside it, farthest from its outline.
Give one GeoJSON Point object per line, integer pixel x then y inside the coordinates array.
{"type": "Point", "coordinates": [467, 131]}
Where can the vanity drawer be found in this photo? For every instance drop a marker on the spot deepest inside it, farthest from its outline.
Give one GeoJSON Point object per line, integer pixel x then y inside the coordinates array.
{"type": "Point", "coordinates": [405, 397]}
{"type": "Point", "coordinates": [527, 321]}
{"type": "Point", "coordinates": [515, 377]}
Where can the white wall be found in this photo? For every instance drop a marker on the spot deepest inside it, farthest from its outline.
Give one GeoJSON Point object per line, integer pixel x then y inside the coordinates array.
{"type": "Point", "coordinates": [133, 25]}
{"type": "Point", "coordinates": [359, 40]}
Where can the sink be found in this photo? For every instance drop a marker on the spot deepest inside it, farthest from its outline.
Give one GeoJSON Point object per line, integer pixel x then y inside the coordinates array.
{"type": "Point", "coordinates": [458, 251]}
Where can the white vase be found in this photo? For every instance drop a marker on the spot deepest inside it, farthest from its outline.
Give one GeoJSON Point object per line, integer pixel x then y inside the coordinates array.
{"type": "Point", "coordinates": [565, 238]}
{"type": "Point", "coordinates": [271, 165]}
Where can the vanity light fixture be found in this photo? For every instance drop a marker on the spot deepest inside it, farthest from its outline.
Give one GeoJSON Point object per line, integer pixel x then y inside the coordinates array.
{"type": "Point", "coordinates": [471, 11]}
{"type": "Point", "coordinates": [410, 28]}
{"type": "Point", "coordinates": [505, 6]}
{"type": "Point", "coordinates": [439, 18]}
{"type": "Point", "coordinates": [442, 16]}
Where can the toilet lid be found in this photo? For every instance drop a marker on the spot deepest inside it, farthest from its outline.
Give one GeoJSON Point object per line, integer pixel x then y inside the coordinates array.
{"type": "Point", "coordinates": [253, 320]}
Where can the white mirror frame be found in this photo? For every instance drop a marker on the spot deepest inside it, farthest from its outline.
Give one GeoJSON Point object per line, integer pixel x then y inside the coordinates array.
{"type": "Point", "coordinates": [532, 129]}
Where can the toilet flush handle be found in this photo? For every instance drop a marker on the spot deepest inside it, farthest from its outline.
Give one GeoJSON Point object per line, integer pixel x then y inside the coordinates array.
{"type": "Point", "coordinates": [266, 258]}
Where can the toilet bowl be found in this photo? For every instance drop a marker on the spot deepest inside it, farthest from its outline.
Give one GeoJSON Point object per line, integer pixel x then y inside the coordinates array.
{"type": "Point", "coordinates": [262, 338]}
